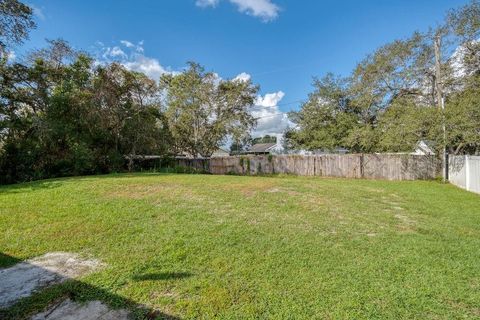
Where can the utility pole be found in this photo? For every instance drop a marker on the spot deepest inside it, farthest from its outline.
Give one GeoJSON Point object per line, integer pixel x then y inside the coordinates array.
{"type": "Point", "coordinates": [441, 100]}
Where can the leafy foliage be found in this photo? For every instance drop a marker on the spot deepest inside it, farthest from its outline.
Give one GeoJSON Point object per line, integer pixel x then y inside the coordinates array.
{"type": "Point", "coordinates": [63, 114]}
{"type": "Point", "coordinates": [61, 119]}
{"type": "Point", "coordinates": [463, 118]}
{"type": "Point", "coordinates": [391, 101]}
{"type": "Point", "coordinates": [265, 139]}
{"type": "Point", "coordinates": [328, 119]}
{"type": "Point", "coordinates": [203, 110]}
{"type": "Point", "coordinates": [16, 19]}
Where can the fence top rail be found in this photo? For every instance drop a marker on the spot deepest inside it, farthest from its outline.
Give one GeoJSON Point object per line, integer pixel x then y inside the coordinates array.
{"type": "Point", "coordinates": [328, 155]}
{"type": "Point", "coordinates": [463, 156]}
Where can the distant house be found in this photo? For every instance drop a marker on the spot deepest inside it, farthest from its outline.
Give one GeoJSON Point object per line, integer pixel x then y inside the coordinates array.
{"type": "Point", "coordinates": [318, 152]}
{"type": "Point", "coordinates": [186, 155]}
{"type": "Point", "coordinates": [219, 153]}
{"type": "Point", "coordinates": [268, 148]}
{"type": "Point", "coordinates": [424, 148]}
{"type": "Point", "coordinates": [262, 148]}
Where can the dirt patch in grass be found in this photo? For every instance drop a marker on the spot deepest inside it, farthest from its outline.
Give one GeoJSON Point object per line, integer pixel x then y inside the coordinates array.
{"type": "Point", "coordinates": [141, 191]}
{"type": "Point", "coordinates": [290, 192]}
{"type": "Point", "coordinates": [250, 189]}
{"type": "Point", "coordinates": [406, 224]}
{"type": "Point", "coordinates": [274, 190]}
{"type": "Point", "coordinates": [168, 293]}
{"type": "Point", "coordinates": [467, 309]}
{"type": "Point", "coordinates": [373, 190]}
{"type": "Point", "coordinates": [153, 191]}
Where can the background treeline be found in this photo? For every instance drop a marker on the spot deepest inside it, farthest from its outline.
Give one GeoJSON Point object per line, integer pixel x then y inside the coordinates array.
{"type": "Point", "coordinates": [62, 116]}
{"type": "Point", "coordinates": [63, 113]}
{"type": "Point", "coordinates": [393, 98]}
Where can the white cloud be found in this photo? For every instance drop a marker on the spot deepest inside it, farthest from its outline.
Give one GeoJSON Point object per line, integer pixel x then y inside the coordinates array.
{"type": "Point", "coordinates": [270, 99]}
{"type": "Point", "coordinates": [37, 12]}
{"type": "Point", "coordinates": [270, 120]}
{"type": "Point", "coordinates": [242, 77]}
{"type": "Point", "coordinates": [149, 66]}
{"type": "Point", "coordinates": [137, 47]}
{"type": "Point", "coordinates": [117, 52]}
{"type": "Point", "coordinates": [263, 9]}
{"type": "Point", "coordinates": [207, 3]}
{"type": "Point", "coordinates": [132, 57]}
{"type": "Point", "coordinates": [127, 44]}
{"type": "Point", "coordinates": [457, 60]}
{"type": "Point", "coordinates": [11, 56]}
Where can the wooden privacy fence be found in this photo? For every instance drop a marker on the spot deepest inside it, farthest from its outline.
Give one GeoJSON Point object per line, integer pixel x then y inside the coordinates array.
{"type": "Point", "coordinates": [368, 166]}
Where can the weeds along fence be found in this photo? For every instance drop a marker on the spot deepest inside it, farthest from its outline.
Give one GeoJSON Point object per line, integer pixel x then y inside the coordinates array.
{"type": "Point", "coordinates": [464, 172]}
{"type": "Point", "coordinates": [368, 166]}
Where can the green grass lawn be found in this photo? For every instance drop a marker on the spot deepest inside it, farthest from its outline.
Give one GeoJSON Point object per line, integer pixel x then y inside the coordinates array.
{"type": "Point", "coordinates": [228, 247]}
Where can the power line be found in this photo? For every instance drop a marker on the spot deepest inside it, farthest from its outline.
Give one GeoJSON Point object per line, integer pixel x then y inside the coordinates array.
{"type": "Point", "coordinates": [271, 116]}
{"type": "Point", "coordinates": [289, 103]}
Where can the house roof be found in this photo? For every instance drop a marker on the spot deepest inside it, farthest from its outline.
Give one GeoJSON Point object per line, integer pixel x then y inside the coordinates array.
{"type": "Point", "coordinates": [142, 157]}
{"type": "Point", "coordinates": [220, 153]}
{"type": "Point", "coordinates": [261, 147]}
{"type": "Point", "coordinates": [425, 146]}
{"type": "Point", "coordinates": [221, 150]}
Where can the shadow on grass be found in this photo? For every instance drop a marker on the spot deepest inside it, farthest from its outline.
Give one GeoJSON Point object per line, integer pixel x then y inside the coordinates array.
{"type": "Point", "coordinates": [162, 276]}
{"type": "Point", "coordinates": [51, 297]}
{"type": "Point", "coordinates": [7, 260]}
{"type": "Point", "coordinates": [52, 183]}
{"type": "Point", "coordinates": [30, 186]}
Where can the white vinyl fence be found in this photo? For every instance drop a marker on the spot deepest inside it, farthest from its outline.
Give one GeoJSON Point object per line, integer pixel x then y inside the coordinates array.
{"type": "Point", "coordinates": [464, 172]}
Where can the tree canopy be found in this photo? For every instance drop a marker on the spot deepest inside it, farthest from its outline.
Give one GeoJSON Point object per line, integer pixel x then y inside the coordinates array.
{"type": "Point", "coordinates": [391, 100]}
{"type": "Point", "coordinates": [60, 116]}
{"type": "Point", "coordinates": [16, 20]}
{"type": "Point", "coordinates": [202, 110]}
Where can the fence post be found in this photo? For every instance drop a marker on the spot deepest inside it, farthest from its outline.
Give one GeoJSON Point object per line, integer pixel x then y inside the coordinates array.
{"type": "Point", "coordinates": [362, 166]}
{"type": "Point", "coordinates": [467, 172]}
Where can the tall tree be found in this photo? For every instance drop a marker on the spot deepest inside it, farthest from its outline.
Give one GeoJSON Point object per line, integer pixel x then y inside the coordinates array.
{"type": "Point", "coordinates": [393, 92]}
{"type": "Point", "coordinates": [265, 139]}
{"type": "Point", "coordinates": [327, 119]}
{"type": "Point", "coordinates": [403, 124]}
{"type": "Point", "coordinates": [60, 115]}
{"type": "Point", "coordinates": [16, 20]}
{"type": "Point", "coordinates": [129, 109]}
{"type": "Point", "coordinates": [462, 112]}
{"type": "Point", "coordinates": [464, 24]}
{"type": "Point", "coordinates": [400, 69]}
{"type": "Point", "coordinates": [462, 119]}
{"type": "Point", "coordinates": [203, 111]}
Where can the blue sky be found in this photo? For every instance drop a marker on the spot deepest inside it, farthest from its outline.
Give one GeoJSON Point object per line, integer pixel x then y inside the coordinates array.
{"type": "Point", "coordinates": [281, 44]}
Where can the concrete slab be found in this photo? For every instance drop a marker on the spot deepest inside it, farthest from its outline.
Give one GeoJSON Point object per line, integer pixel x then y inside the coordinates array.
{"type": "Point", "coordinates": [25, 278]}
{"type": "Point", "coordinates": [93, 310]}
